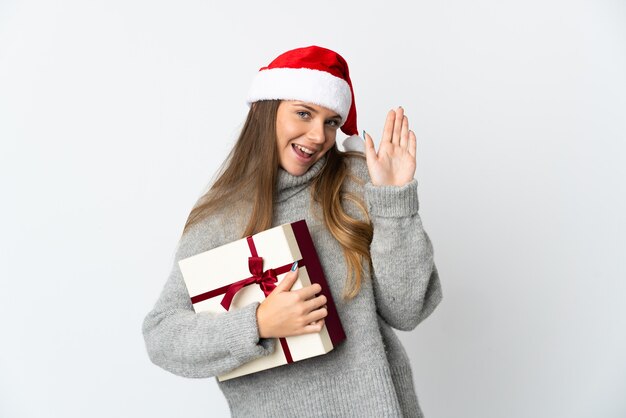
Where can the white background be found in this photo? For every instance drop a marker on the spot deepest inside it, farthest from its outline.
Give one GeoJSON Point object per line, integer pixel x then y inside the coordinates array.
{"type": "Point", "coordinates": [115, 114]}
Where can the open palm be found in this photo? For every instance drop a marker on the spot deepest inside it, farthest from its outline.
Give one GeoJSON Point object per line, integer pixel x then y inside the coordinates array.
{"type": "Point", "coordinates": [394, 163]}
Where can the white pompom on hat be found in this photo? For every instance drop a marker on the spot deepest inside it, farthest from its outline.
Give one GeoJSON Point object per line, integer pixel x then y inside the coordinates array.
{"type": "Point", "coordinates": [312, 74]}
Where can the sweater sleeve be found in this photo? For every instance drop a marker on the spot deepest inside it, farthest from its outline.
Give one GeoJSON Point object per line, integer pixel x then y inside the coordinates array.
{"type": "Point", "coordinates": [405, 279]}
{"type": "Point", "coordinates": [201, 344]}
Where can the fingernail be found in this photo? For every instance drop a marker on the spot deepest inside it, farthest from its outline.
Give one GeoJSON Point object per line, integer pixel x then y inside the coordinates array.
{"type": "Point", "coordinates": [294, 266]}
{"type": "Point", "coordinates": [399, 107]}
{"type": "Point", "coordinates": [363, 133]}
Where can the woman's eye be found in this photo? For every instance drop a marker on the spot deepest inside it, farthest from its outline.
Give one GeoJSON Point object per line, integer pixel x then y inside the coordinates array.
{"type": "Point", "coordinates": [303, 114]}
{"type": "Point", "coordinates": [333, 123]}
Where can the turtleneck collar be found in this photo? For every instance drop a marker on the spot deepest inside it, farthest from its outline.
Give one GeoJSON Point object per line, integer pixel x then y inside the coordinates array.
{"type": "Point", "coordinates": [287, 185]}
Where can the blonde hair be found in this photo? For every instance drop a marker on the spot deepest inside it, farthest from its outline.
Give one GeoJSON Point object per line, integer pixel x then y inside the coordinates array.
{"type": "Point", "coordinates": [251, 169]}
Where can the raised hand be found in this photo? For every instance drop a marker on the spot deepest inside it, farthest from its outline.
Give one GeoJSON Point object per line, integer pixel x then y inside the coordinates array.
{"type": "Point", "coordinates": [394, 163]}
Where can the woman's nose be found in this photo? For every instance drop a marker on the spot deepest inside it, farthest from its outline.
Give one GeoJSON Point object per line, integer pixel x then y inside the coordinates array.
{"type": "Point", "coordinates": [317, 134]}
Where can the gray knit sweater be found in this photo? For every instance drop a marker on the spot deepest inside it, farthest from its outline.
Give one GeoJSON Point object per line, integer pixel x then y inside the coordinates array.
{"type": "Point", "coordinates": [367, 375]}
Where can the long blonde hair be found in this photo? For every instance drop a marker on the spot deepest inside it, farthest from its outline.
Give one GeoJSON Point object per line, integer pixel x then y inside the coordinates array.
{"type": "Point", "coordinates": [251, 169]}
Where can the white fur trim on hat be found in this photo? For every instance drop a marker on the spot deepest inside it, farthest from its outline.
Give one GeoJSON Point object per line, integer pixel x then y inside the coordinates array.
{"type": "Point", "coordinates": [304, 84]}
{"type": "Point", "coordinates": [354, 143]}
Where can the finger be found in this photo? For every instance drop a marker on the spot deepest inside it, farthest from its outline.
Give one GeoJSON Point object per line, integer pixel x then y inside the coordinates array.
{"type": "Point", "coordinates": [370, 149]}
{"type": "Point", "coordinates": [388, 129]}
{"type": "Point", "coordinates": [309, 292]}
{"type": "Point", "coordinates": [404, 134]}
{"type": "Point", "coordinates": [287, 282]}
{"type": "Point", "coordinates": [316, 315]}
{"type": "Point", "coordinates": [412, 144]}
{"type": "Point", "coordinates": [314, 327]}
{"type": "Point", "coordinates": [397, 126]}
{"type": "Point", "coordinates": [315, 303]}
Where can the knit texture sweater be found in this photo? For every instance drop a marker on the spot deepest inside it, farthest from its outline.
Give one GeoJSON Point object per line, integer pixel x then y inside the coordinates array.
{"type": "Point", "coordinates": [368, 374]}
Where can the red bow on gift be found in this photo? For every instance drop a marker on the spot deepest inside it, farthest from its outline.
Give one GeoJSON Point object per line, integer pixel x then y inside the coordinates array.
{"type": "Point", "coordinates": [266, 279]}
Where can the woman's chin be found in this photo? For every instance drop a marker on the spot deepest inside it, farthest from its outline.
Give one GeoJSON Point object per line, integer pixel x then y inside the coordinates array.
{"type": "Point", "coordinates": [296, 171]}
{"type": "Point", "coordinates": [297, 166]}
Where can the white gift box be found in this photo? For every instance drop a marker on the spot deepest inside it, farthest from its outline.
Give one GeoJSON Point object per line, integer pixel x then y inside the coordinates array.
{"type": "Point", "coordinates": [243, 267]}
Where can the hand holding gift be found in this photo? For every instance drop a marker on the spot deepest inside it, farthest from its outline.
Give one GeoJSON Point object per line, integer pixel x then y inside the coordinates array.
{"type": "Point", "coordinates": [262, 268]}
{"type": "Point", "coordinates": [286, 313]}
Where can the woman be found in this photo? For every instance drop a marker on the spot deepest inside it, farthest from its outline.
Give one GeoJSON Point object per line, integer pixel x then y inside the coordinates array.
{"type": "Point", "coordinates": [363, 216]}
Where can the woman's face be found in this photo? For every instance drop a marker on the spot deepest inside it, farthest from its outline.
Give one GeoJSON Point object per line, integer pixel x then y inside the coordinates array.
{"type": "Point", "coordinates": [305, 132]}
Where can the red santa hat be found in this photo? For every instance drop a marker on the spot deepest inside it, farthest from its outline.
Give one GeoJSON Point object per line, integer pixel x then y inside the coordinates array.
{"type": "Point", "coordinates": [313, 74]}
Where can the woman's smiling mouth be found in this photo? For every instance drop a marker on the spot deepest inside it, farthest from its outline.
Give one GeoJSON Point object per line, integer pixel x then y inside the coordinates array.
{"type": "Point", "coordinates": [302, 152]}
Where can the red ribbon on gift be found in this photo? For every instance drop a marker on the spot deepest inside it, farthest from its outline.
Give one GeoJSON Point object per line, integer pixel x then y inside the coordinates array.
{"type": "Point", "coordinates": [265, 279]}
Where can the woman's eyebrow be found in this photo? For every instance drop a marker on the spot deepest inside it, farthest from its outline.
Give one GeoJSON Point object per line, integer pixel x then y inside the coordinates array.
{"type": "Point", "coordinates": [315, 111]}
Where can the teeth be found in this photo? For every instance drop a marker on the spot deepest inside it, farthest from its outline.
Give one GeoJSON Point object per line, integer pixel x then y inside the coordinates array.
{"type": "Point", "coordinates": [306, 150]}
